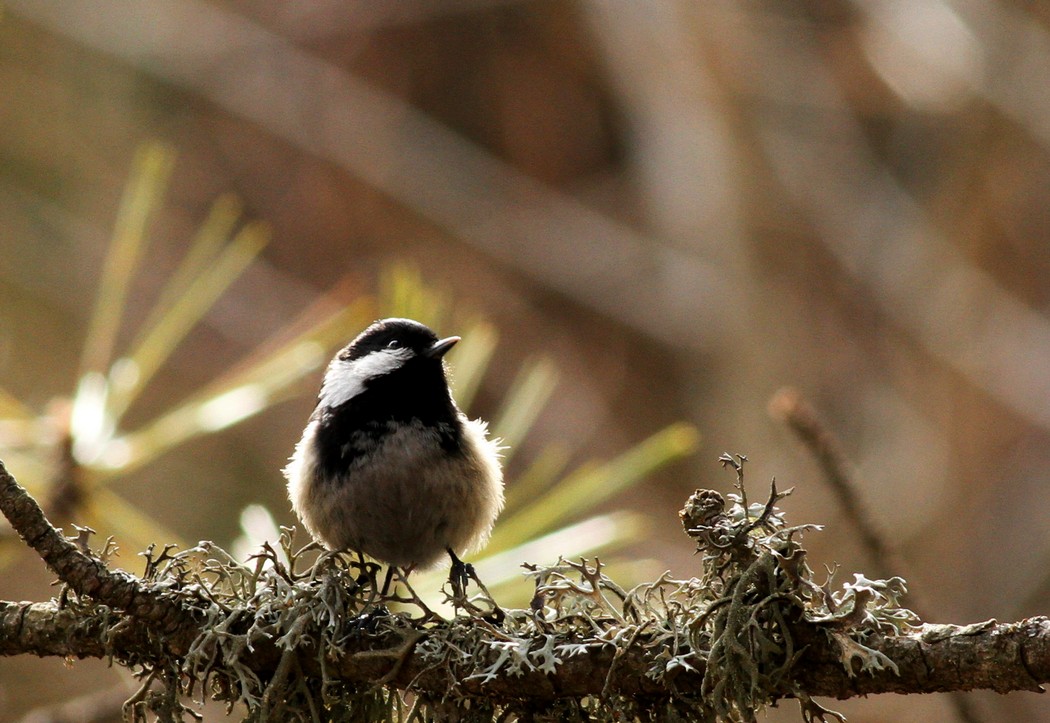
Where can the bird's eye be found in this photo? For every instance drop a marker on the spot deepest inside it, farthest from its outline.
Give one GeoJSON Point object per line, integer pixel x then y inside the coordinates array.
{"type": "Point", "coordinates": [393, 344]}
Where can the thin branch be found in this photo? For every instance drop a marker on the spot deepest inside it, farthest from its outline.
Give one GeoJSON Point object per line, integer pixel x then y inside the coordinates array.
{"type": "Point", "coordinates": [790, 407]}
{"type": "Point", "coordinates": [86, 575]}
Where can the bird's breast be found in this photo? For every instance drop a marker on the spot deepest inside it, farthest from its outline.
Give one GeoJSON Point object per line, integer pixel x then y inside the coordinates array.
{"type": "Point", "coordinates": [391, 448]}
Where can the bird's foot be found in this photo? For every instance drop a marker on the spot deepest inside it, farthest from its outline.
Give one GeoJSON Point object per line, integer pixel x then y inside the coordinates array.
{"type": "Point", "coordinates": [459, 576]}
{"type": "Point", "coordinates": [368, 621]}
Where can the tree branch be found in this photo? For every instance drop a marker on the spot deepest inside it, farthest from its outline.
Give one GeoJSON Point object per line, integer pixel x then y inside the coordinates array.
{"type": "Point", "coordinates": [1003, 657]}
{"type": "Point", "coordinates": [305, 632]}
{"type": "Point", "coordinates": [86, 575]}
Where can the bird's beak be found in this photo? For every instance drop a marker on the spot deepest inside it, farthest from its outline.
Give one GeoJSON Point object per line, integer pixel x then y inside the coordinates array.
{"type": "Point", "coordinates": [439, 347]}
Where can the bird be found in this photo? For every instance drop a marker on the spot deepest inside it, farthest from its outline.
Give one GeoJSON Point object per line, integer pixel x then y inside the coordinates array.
{"type": "Point", "coordinates": [388, 466]}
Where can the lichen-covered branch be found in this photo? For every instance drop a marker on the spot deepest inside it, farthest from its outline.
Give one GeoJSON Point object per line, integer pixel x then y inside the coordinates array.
{"type": "Point", "coordinates": [291, 637]}
{"type": "Point", "coordinates": [46, 629]}
{"type": "Point", "coordinates": [87, 575]}
{"type": "Point", "coordinates": [1003, 657]}
{"type": "Point", "coordinates": [996, 656]}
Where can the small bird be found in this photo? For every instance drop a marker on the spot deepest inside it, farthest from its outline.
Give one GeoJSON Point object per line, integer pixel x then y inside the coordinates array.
{"type": "Point", "coordinates": [388, 465]}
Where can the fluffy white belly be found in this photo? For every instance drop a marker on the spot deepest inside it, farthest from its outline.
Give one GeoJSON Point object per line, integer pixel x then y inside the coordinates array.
{"type": "Point", "coordinates": [409, 501]}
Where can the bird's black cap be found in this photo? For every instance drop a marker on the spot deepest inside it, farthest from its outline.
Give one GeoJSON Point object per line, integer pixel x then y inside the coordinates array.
{"type": "Point", "coordinates": [402, 333]}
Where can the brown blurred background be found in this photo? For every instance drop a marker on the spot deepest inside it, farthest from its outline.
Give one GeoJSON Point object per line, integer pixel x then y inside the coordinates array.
{"type": "Point", "coordinates": [687, 205]}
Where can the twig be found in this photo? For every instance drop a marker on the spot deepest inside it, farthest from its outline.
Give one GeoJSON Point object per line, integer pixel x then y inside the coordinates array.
{"type": "Point", "coordinates": [789, 406]}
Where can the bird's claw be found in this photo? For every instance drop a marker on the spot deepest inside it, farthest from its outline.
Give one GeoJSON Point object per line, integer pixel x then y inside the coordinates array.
{"type": "Point", "coordinates": [368, 622]}
{"type": "Point", "coordinates": [459, 576]}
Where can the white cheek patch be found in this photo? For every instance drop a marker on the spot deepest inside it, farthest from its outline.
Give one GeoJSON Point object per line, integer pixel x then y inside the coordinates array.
{"type": "Point", "coordinates": [344, 380]}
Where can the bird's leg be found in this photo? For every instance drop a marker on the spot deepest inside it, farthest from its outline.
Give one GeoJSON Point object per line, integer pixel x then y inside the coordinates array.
{"type": "Point", "coordinates": [386, 581]}
{"type": "Point", "coordinates": [369, 619]}
{"type": "Point", "coordinates": [459, 575]}
{"type": "Point", "coordinates": [368, 571]}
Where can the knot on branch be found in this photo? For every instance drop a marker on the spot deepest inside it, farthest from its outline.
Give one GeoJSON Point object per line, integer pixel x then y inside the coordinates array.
{"type": "Point", "coordinates": [704, 515]}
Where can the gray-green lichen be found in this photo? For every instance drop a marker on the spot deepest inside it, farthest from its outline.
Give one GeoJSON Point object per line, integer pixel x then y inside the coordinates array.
{"type": "Point", "coordinates": [718, 646]}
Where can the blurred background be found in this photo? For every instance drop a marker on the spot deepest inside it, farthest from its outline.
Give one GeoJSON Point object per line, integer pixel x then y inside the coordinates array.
{"type": "Point", "coordinates": [680, 207]}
